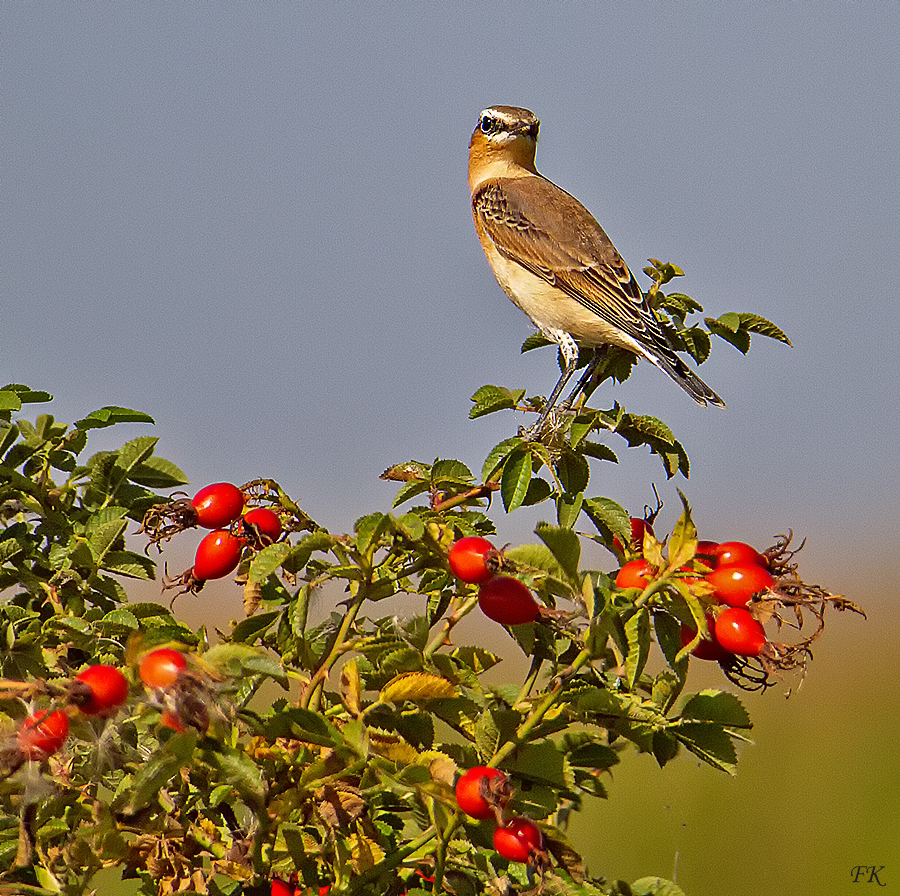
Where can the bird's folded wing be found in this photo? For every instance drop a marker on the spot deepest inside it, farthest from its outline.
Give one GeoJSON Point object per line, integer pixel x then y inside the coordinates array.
{"type": "Point", "coordinates": [546, 230]}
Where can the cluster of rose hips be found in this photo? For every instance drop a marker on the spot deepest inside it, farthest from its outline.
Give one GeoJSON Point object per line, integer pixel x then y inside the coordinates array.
{"type": "Point", "coordinates": [99, 691]}
{"type": "Point", "coordinates": [283, 888]}
{"type": "Point", "coordinates": [220, 507]}
{"type": "Point", "coordinates": [483, 792]}
{"type": "Point", "coordinates": [506, 600]}
{"type": "Point", "coordinates": [732, 573]}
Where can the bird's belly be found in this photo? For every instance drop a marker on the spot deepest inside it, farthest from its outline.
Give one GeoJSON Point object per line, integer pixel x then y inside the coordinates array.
{"type": "Point", "coordinates": [550, 307]}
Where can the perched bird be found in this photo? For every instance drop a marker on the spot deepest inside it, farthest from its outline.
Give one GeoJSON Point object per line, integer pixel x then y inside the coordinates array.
{"type": "Point", "coordinates": [555, 261]}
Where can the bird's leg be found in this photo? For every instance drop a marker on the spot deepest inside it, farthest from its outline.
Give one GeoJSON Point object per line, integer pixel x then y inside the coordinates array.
{"type": "Point", "coordinates": [568, 348]}
{"type": "Point", "coordinates": [600, 353]}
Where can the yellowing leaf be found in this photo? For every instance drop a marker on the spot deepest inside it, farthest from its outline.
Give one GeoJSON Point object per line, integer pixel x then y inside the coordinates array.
{"type": "Point", "coordinates": [366, 853]}
{"type": "Point", "coordinates": [417, 686]}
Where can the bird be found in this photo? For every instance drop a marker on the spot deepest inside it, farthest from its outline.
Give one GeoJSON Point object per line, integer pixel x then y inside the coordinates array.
{"type": "Point", "coordinates": [556, 263]}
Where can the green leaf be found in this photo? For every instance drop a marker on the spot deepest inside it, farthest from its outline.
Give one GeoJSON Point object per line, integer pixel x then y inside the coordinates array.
{"type": "Point", "coordinates": [515, 479]}
{"type": "Point", "coordinates": [497, 456]}
{"type": "Point", "coordinates": [683, 544]}
{"type": "Point", "coordinates": [267, 561]}
{"type": "Point", "coordinates": [238, 770]}
{"type": "Point", "coordinates": [717, 706]}
{"type": "Point", "coordinates": [573, 472]}
{"type": "Point", "coordinates": [157, 473]}
{"type": "Point", "coordinates": [369, 529]}
{"type": "Point", "coordinates": [412, 526]}
{"type": "Point", "coordinates": [153, 775]}
{"type": "Point", "coordinates": [697, 342]}
{"type": "Point", "coordinates": [756, 324]}
{"type": "Point", "coordinates": [610, 518]}
{"type": "Point", "coordinates": [568, 508]}
{"type": "Point", "coordinates": [10, 401]}
{"type": "Point", "coordinates": [542, 762]}
{"type": "Point", "coordinates": [110, 416]}
{"type": "Point", "coordinates": [646, 426]}
{"type": "Point", "coordinates": [598, 451]}
{"type": "Point", "coordinates": [535, 557]}
{"type": "Point", "coordinates": [538, 490]}
{"type": "Point", "coordinates": [493, 728]}
{"type": "Point", "coordinates": [739, 338]}
{"type": "Point", "coordinates": [303, 550]}
{"type": "Point", "coordinates": [684, 301]}
{"type": "Point", "coordinates": [564, 545]}
{"type": "Point", "coordinates": [450, 471]}
{"type": "Point", "coordinates": [409, 490]}
{"type": "Point", "coordinates": [489, 399]}
{"type": "Point", "coordinates": [637, 633]}
{"type": "Point", "coordinates": [127, 563]}
{"type": "Point", "coordinates": [535, 340]}
{"type": "Point", "coordinates": [709, 742]}
{"type": "Point", "coordinates": [655, 886]}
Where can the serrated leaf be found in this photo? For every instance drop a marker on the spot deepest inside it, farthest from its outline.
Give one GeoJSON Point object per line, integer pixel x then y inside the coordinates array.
{"type": "Point", "coordinates": [489, 399]}
{"type": "Point", "coordinates": [655, 886]}
{"type": "Point", "coordinates": [647, 426]}
{"type": "Point", "coordinates": [543, 762]}
{"type": "Point", "coordinates": [573, 472]}
{"type": "Point", "coordinates": [157, 472]}
{"type": "Point", "coordinates": [709, 742]}
{"type": "Point", "coordinates": [154, 774]}
{"type": "Point", "coordinates": [683, 543]}
{"type": "Point", "coordinates": [598, 451]}
{"type": "Point", "coordinates": [535, 340]}
{"type": "Point", "coordinates": [417, 686]}
{"type": "Point", "coordinates": [537, 557]}
{"type": "Point", "coordinates": [409, 490]}
{"type": "Point", "coordinates": [538, 490]}
{"type": "Point", "coordinates": [411, 525]}
{"type": "Point", "coordinates": [121, 617]}
{"type": "Point", "coordinates": [697, 342]}
{"type": "Point", "coordinates": [448, 470]}
{"type": "Point", "coordinates": [568, 509]}
{"type": "Point", "coordinates": [637, 633]}
{"type": "Point", "coordinates": [369, 529]}
{"type": "Point", "coordinates": [238, 770]}
{"type": "Point", "coordinates": [756, 324]}
{"type": "Point", "coordinates": [267, 561]}
{"type": "Point", "coordinates": [496, 456]}
{"type": "Point", "coordinates": [110, 416]}
{"type": "Point", "coordinates": [129, 564]}
{"type": "Point", "coordinates": [515, 479]}
{"type": "Point", "coordinates": [717, 706]}
{"type": "Point", "coordinates": [739, 338]}
{"type": "Point", "coordinates": [564, 545]}
{"type": "Point", "coordinates": [494, 727]}
{"type": "Point", "coordinates": [609, 517]}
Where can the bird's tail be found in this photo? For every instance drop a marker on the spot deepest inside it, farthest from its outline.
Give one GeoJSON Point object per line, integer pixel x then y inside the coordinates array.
{"type": "Point", "coordinates": [686, 378]}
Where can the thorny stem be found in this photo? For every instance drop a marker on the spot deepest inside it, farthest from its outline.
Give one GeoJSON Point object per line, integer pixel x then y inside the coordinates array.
{"type": "Point", "coordinates": [441, 637]}
{"type": "Point", "coordinates": [536, 663]}
{"type": "Point", "coordinates": [536, 716]}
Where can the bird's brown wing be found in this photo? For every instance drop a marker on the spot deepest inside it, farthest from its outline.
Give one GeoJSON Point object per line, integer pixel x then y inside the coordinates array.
{"type": "Point", "coordinates": [546, 230]}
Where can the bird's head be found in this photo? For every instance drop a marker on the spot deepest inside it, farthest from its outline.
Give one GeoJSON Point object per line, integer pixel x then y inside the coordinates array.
{"type": "Point", "coordinates": [505, 135]}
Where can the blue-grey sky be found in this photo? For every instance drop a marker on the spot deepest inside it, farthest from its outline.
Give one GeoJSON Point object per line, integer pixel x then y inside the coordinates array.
{"type": "Point", "coordinates": [251, 220]}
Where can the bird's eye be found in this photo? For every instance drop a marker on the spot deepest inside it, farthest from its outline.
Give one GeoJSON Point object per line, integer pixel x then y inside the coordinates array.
{"type": "Point", "coordinates": [533, 131]}
{"type": "Point", "coordinates": [489, 124]}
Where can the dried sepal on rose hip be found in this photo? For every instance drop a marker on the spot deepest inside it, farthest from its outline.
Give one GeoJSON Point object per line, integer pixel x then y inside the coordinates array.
{"type": "Point", "coordinates": [482, 791]}
{"type": "Point", "coordinates": [99, 690]}
{"type": "Point", "coordinates": [519, 840]}
{"type": "Point", "coordinates": [215, 506]}
{"type": "Point", "coordinates": [473, 559]}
